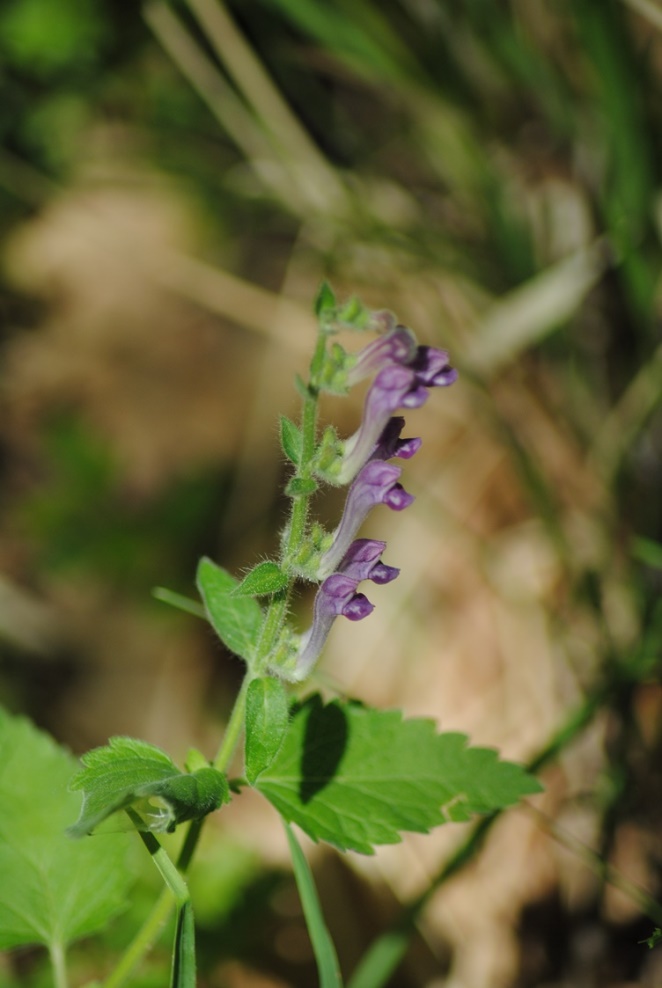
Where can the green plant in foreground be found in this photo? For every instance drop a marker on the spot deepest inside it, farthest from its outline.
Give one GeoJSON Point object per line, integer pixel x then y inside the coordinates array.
{"type": "Point", "coordinates": [343, 772]}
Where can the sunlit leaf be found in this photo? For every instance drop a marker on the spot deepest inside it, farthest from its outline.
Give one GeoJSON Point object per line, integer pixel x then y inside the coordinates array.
{"type": "Point", "coordinates": [358, 777]}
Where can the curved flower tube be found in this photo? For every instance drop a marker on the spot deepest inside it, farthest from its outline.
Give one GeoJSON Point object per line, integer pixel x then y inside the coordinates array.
{"type": "Point", "coordinates": [336, 595]}
{"type": "Point", "coordinates": [362, 561]}
{"type": "Point", "coordinates": [376, 483]}
{"type": "Point", "coordinates": [393, 388]}
{"type": "Point", "coordinates": [397, 346]}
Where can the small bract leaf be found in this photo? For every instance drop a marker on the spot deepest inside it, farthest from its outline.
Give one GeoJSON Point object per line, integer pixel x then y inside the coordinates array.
{"type": "Point", "coordinates": [357, 777]}
{"type": "Point", "coordinates": [265, 578]}
{"type": "Point", "coordinates": [290, 440]}
{"type": "Point", "coordinates": [301, 487]}
{"type": "Point", "coordinates": [53, 890]}
{"type": "Point", "coordinates": [131, 773]}
{"type": "Point", "coordinates": [354, 313]}
{"type": "Point", "coordinates": [236, 620]}
{"type": "Point", "coordinates": [266, 723]}
{"type": "Point", "coordinates": [325, 303]}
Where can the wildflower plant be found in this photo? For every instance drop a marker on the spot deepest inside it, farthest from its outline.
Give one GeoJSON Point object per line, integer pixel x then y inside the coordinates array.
{"type": "Point", "coordinates": [345, 773]}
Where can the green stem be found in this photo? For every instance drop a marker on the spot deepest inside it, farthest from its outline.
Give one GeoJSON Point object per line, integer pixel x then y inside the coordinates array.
{"type": "Point", "coordinates": [142, 942]}
{"type": "Point", "coordinates": [152, 926]}
{"type": "Point", "coordinates": [166, 866]}
{"type": "Point", "coordinates": [233, 730]}
{"type": "Point", "coordinates": [296, 529]}
{"type": "Point", "coordinates": [276, 614]}
{"type": "Point", "coordinates": [59, 965]}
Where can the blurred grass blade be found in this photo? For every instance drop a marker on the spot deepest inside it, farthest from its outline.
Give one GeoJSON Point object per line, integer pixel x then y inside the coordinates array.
{"type": "Point", "coordinates": [626, 420]}
{"type": "Point", "coordinates": [232, 114]}
{"type": "Point", "coordinates": [292, 142]}
{"type": "Point", "coordinates": [179, 601]}
{"type": "Point", "coordinates": [323, 948]}
{"type": "Point", "coordinates": [648, 9]}
{"type": "Point", "coordinates": [370, 48]}
{"type": "Point", "coordinates": [380, 961]}
{"type": "Point", "coordinates": [531, 311]}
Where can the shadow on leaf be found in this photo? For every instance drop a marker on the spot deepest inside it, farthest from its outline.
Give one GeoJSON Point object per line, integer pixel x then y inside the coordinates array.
{"type": "Point", "coordinates": [324, 746]}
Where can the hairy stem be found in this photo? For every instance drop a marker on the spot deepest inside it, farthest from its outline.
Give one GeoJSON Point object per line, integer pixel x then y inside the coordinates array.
{"type": "Point", "coordinates": [296, 530]}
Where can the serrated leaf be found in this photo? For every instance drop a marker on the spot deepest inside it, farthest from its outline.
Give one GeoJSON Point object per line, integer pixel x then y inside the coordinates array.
{"type": "Point", "coordinates": [291, 440]}
{"type": "Point", "coordinates": [325, 302]}
{"type": "Point", "coordinates": [236, 620]}
{"type": "Point", "coordinates": [131, 773]}
{"type": "Point", "coordinates": [301, 487]}
{"type": "Point", "coordinates": [53, 890]}
{"type": "Point", "coordinates": [267, 716]}
{"type": "Point", "coordinates": [357, 777]}
{"type": "Point", "coordinates": [265, 578]}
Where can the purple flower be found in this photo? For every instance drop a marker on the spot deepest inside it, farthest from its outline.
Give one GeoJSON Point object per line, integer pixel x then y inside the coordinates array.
{"type": "Point", "coordinates": [390, 444]}
{"type": "Point", "coordinates": [394, 387]}
{"type": "Point", "coordinates": [362, 561]}
{"type": "Point", "coordinates": [376, 483]}
{"type": "Point", "coordinates": [432, 367]}
{"type": "Point", "coordinates": [397, 346]}
{"type": "Point", "coordinates": [336, 595]}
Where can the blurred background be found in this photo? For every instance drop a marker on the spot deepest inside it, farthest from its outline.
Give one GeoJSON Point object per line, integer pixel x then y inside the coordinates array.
{"type": "Point", "coordinates": [175, 182]}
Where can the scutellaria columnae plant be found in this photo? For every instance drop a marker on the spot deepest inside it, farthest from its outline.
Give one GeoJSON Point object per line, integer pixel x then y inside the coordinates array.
{"type": "Point", "coordinates": [343, 772]}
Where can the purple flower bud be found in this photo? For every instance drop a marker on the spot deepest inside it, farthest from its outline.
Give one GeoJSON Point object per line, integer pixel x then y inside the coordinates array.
{"type": "Point", "coordinates": [432, 367]}
{"type": "Point", "coordinates": [393, 388]}
{"type": "Point", "coordinates": [376, 483]}
{"type": "Point", "coordinates": [398, 498]}
{"type": "Point", "coordinates": [362, 561]}
{"type": "Point", "coordinates": [336, 595]}
{"type": "Point", "coordinates": [397, 346]}
{"type": "Point", "coordinates": [358, 607]}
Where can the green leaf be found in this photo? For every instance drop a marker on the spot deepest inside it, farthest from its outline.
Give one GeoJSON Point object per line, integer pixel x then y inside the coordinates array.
{"type": "Point", "coordinates": [267, 718]}
{"type": "Point", "coordinates": [301, 487]}
{"type": "Point", "coordinates": [291, 440]}
{"type": "Point", "coordinates": [356, 777]}
{"type": "Point", "coordinates": [53, 890]}
{"type": "Point", "coordinates": [653, 939]}
{"type": "Point", "coordinates": [265, 578]}
{"type": "Point", "coordinates": [130, 773]}
{"type": "Point", "coordinates": [323, 948]}
{"type": "Point", "coordinates": [236, 620]}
